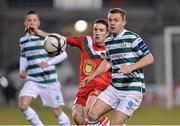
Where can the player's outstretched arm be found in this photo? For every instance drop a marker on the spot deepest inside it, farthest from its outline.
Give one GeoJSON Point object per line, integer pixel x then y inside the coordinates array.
{"type": "Point", "coordinates": [145, 61]}
{"type": "Point", "coordinates": [55, 60]}
{"type": "Point", "coordinates": [104, 66]}
{"type": "Point", "coordinates": [58, 59]}
{"type": "Point", "coordinates": [37, 32]}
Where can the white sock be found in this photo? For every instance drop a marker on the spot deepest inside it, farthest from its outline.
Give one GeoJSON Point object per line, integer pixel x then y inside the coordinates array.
{"type": "Point", "coordinates": [63, 119]}
{"type": "Point", "coordinates": [32, 116]}
{"type": "Point", "coordinates": [93, 123]}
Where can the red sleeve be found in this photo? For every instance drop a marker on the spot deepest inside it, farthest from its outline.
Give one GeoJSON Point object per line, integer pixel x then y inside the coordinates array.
{"type": "Point", "coordinates": [75, 41]}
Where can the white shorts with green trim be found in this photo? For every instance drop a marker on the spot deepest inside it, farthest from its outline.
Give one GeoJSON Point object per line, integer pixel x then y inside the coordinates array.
{"type": "Point", "coordinates": [124, 101]}
{"type": "Point", "coordinates": [50, 94]}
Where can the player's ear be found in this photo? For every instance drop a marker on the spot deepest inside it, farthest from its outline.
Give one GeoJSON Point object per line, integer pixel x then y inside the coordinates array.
{"type": "Point", "coordinates": [39, 23]}
{"type": "Point", "coordinates": [25, 23]}
{"type": "Point", "coordinates": [124, 22]}
{"type": "Point", "coordinates": [107, 33]}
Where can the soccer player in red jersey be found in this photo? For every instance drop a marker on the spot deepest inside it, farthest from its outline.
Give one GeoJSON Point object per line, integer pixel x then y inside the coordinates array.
{"type": "Point", "coordinates": [92, 54]}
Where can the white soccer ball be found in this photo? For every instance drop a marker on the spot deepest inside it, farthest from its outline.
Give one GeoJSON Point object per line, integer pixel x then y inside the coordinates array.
{"type": "Point", "coordinates": [54, 44]}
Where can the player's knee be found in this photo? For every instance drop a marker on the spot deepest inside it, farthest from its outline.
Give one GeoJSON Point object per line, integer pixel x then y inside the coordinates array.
{"type": "Point", "coordinates": [116, 122]}
{"type": "Point", "coordinates": [57, 112]}
{"type": "Point", "coordinates": [56, 115]}
{"type": "Point", "coordinates": [22, 106]}
{"type": "Point", "coordinates": [92, 116]}
{"type": "Point", "coordinates": [79, 119]}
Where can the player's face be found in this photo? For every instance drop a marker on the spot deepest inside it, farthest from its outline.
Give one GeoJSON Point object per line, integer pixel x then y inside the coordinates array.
{"type": "Point", "coordinates": [116, 23]}
{"type": "Point", "coordinates": [99, 33]}
{"type": "Point", "coordinates": [32, 20]}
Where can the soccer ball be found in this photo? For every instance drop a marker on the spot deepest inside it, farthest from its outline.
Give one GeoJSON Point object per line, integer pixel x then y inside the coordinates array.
{"type": "Point", "coordinates": [54, 44]}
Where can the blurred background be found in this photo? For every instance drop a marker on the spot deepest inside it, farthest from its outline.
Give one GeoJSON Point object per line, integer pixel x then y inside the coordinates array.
{"type": "Point", "coordinates": [157, 21]}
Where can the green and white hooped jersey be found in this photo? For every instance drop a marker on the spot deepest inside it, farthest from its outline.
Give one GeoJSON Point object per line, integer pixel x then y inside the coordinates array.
{"type": "Point", "coordinates": [32, 48]}
{"type": "Point", "coordinates": [126, 48]}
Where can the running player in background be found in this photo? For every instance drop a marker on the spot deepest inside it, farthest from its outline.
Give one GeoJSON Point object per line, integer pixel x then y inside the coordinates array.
{"type": "Point", "coordinates": [92, 54]}
{"type": "Point", "coordinates": [39, 71]}
{"type": "Point", "coordinates": [128, 54]}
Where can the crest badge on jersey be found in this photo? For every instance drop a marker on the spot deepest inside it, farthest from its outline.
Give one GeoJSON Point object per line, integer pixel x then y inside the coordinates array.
{"type": "Point", "coordinates": [88, 66]}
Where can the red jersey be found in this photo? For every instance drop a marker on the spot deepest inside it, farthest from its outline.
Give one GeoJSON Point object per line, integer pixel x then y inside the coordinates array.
{"type": "Point", "coordinates": [90, 59]}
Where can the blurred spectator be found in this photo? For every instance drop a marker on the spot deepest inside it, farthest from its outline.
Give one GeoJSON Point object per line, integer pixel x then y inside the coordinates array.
{"type": "Point", "coordinates": [8, 90]}
{"type": "Point", "coordinates": [67, 77]}
{"type": "Point", "coordinates": [30, 3]}
{"type": "Point", "coordinates": [114, 3]}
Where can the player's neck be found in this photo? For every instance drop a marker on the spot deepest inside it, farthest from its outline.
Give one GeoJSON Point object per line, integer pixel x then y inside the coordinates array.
{"type": "Point", "coordinates": [119, 32]}
{"type": "Point", "coordinates": [100, 44]}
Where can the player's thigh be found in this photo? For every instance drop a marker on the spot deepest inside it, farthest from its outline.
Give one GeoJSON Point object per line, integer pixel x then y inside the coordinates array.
{"type": "Point", "coordinates": [98, 109]}
{"type": "Point", "coordinates": [105, 102]}
{"type": "Point", "coordinates": [129, 102]}
{"type": "Point", "coordinates": [24, 102]}
{"type": "Point", "coordinates": [30, 88]}
{"type": "Point", "coordinates": [51, 96]}
{"type": "Point", "coordinates": [27, 93]}
{"type": "Point", "coordinates": [90, 102]}
{"type": "Point", "coordinates": [118, 118]}
{"type": "Point", "coordinates": [91, 99]}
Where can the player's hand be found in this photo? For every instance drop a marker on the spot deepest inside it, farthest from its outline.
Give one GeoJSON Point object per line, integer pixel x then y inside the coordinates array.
{"type": "Point", "coordinates": [87, 79]}
{"type": "Point", "coordinates": [32, 30]}
{"type": "Point", "coordinates": [125, 69]}
{"type": "Point", "coordinates": [44, 64]}
{"type": "Point", "coordinates": [23, 74]}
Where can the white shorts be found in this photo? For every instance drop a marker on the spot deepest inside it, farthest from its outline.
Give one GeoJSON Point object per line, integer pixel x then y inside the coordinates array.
{"type": "Point", "coordinates": [50, 94]}
{"type": "Point", "coordinates": [124, 101]}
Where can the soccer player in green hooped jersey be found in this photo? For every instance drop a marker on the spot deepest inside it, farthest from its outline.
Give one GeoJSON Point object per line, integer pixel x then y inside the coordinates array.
{"type": "Point", "coordinates": [127, 54]}
{"type": "Point", "coordinates": [39, 71]}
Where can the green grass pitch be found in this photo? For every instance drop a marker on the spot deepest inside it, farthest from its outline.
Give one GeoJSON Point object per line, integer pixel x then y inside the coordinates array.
{"type": "Point", "coordinates": [145, 115]}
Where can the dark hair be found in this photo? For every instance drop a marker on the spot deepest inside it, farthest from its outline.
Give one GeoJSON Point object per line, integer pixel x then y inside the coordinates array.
{"type": "Point", "coordinates": [118, 10]}
{"type": "Point", "coordinates": [32, 12]}
{"type": "Point", "coordinates": [102, 21]}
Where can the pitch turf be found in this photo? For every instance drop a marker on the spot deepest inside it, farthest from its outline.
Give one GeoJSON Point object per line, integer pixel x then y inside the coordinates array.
{"type": "Point", "coordinates": [145, 115]}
